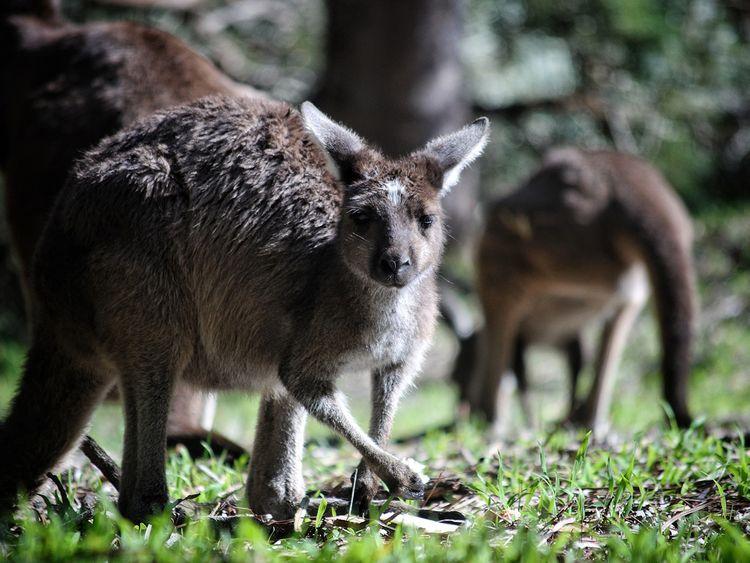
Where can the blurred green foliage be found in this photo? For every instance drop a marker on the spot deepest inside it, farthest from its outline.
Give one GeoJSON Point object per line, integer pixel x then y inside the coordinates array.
{"type": "Point", "coordinates": [667, 79]}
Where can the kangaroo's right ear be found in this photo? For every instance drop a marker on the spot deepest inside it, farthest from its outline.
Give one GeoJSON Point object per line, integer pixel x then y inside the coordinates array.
{"type": "Point", "coordinates": [339, 143]}
{"type": "Point", "coordinates": [454, 152]}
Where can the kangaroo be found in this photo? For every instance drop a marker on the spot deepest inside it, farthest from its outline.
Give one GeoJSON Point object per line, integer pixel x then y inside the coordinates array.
{"type": "Point", "coordinates": [64, 88]}
{"type": "Point", "coordinates": [578, 243]}
{"type": "Point", "coordinates": [234, 243]}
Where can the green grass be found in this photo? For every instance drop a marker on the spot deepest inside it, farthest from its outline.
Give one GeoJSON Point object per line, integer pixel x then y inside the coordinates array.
{"type": "Point", "coordinates": [563, 499]}
{"type": "Point", "coordinates": [650, 493]}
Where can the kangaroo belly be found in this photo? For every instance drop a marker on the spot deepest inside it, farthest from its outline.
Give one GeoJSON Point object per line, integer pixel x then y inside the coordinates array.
{"type": "Point", "coordinates": [566, 309]}
{"type": "Point", "coordinates": [228, 374]}
{"type": "Point", "coordinates": [555, 319]}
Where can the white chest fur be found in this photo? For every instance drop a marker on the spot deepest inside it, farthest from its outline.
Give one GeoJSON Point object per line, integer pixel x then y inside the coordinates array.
{"type": "Point", "coordinates": [391, 337]}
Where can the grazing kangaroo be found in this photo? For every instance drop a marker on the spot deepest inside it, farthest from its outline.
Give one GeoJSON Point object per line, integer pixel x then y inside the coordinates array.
{"type": "Point", "coordinates": [578, 243]}
{"type": "Point", "coordinates": [234, 244]}
{"type": "Point", "coordinates": [65, 87]}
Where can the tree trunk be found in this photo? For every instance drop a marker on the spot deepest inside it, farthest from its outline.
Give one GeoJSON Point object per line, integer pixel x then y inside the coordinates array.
{"type": "Point", "coordinates": [393, 73]}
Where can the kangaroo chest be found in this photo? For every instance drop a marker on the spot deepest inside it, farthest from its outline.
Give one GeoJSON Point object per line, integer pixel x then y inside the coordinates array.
{"type": "Point", "coordinates": [387, 338]}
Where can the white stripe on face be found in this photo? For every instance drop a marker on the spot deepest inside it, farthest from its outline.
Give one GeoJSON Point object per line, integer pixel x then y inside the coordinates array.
{"type": "Point", "coordinates": [396, 191]}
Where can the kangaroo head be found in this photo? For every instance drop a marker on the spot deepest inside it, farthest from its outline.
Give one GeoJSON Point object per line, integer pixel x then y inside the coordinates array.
{"type": "Point", "coordinates": [391, 230]}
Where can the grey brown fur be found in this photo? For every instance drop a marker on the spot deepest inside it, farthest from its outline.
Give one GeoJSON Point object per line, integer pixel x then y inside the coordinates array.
{"type": "Point", "coordinates": [212, 244]}
{"type": "Point", "coordinates": [578, 243]}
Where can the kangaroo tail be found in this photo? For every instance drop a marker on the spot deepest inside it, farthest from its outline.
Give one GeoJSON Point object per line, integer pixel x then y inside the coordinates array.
{"type": "Point", "coordinates": [662, 233]}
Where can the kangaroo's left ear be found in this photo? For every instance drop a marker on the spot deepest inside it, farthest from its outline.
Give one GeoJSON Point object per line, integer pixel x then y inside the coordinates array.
{"type": "Point", "coordinates": [455, 151]}
{"type": "Point", "coordinates": [339, 143]}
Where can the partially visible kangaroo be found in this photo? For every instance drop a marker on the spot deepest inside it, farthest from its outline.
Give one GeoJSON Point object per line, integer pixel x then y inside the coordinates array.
{"type": "Point", "coordinates": [579, 243]}
{"type": "Point", "coordinates": [233, 244]}
{"type": "Point", "coordinates": [63, 88]}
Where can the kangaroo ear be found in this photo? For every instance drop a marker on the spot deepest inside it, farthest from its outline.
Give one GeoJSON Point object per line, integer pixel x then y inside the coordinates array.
{"type": "Point", "coordinates": [455, 151]}
{"type": "Point", "coordinates": [340, 143]}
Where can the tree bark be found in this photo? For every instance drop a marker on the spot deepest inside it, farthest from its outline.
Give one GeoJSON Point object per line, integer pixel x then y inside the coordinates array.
{"type": "Point", "coordinates": [393, 73]}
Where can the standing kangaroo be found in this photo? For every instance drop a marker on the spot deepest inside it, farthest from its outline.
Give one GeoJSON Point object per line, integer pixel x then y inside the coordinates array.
{"type": "Point", "coordinates": [234, 244]}
{"type": "Point", "coordinates": [65, 87]}
{"type": "Point", "coordinates": [578, 243]}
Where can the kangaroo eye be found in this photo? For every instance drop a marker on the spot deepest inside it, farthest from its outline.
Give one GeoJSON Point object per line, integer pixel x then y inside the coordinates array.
{"type": "Point", "coordinates": [425, 221]}
{"type": "Point", "coordinates": [360, 218]}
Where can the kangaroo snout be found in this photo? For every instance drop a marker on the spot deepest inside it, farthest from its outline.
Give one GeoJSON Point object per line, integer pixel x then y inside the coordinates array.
{"type": "Point", "coordinates": [393, 269]}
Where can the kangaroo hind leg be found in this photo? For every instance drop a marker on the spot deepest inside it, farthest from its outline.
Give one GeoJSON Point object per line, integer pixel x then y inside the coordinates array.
{"type": "Point", "coordinates": [147, 393]}
{"type": "Point", "coordinates": [54, 401]}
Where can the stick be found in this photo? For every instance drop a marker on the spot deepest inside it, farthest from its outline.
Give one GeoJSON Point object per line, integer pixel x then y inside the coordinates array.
{"type": "Point", "coordinates": [354, 488]}
{"type": "Point", "coordinates": [101, 461]}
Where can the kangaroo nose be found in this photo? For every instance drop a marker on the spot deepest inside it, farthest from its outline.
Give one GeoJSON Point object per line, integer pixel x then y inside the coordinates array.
{"type": "Point", "coordinates": [394, 265]}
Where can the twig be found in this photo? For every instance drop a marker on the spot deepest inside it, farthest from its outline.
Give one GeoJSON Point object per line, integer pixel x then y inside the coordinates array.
{"type": "Point", "coordinates": [684, 513]}
{"type": "Point", "coordinates": [101, 460]}
{"type": "Point", "coordinates": [354, 488]}
{"type": "Point", "coordinates": [230, 492]}
{"type": "Point", "coordinates": [432, 491]}
{"type": "Point", "coordinates": [213, 476]}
